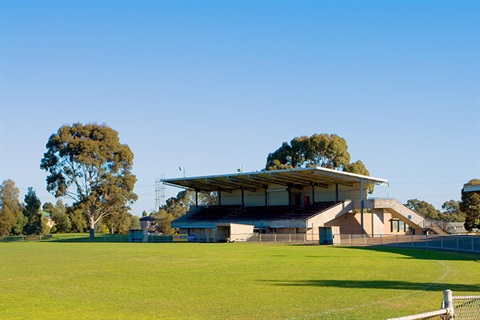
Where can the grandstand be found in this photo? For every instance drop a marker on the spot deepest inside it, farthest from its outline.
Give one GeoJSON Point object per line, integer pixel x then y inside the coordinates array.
{"type": "Point", "coordinates": [294, 201]}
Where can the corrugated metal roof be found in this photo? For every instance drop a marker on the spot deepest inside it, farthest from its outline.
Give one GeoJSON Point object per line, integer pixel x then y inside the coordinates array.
{"type": "Point", "coordinates": [252, 181]}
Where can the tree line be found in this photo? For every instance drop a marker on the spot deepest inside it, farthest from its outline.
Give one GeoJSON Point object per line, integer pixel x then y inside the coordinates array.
{"type": "Point", "coordinates": [88, 165]}
{"type": "Point", "coordinates": [30, 217]}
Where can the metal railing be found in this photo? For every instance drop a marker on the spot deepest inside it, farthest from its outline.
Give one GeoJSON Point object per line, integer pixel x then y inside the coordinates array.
{"type": "Point", "coordinates": [462, 243]}
{"type": "Point", "coordinates": [459, 308]}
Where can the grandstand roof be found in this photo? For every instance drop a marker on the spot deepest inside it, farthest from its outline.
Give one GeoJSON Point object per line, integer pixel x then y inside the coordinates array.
{"type": "Point", "coordinates": [317, 176]}
{"type": "Point", "coordinates": [471, 188]}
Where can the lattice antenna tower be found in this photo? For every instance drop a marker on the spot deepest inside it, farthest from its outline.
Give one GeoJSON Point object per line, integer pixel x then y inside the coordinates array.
{"type": "Point", "coordinates": [159, 192]}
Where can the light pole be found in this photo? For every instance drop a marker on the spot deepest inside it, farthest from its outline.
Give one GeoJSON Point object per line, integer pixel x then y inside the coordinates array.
{"type": "Point", "coordinates": [289, 159]}
{"type": "Point", "coordinates": [183, 170]}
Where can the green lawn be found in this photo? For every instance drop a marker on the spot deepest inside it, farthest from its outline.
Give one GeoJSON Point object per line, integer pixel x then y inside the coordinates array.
{"type": "Point", "coordinates": [52, 280]}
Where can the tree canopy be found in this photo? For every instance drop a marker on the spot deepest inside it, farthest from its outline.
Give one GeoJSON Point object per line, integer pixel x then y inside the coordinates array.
{"type": "Point", "coordinates": [423, 208]}
{"type": "Point", "coordinates": [470, 205]}
{"type": "Point", "coordinates": [11, 217]}
{"type": "Point", "coordinates": [32, 212]}
{"type": "Point", "coordinates": [88, 164]}
{"type": "Point", "coordinates": [59, 217]}
{"type": "Point", "coordinates": [177, 206]}
{"type": "Point", "coordinates": [451, 211]}
{"type": "Point", "coordinates": [328, 151]}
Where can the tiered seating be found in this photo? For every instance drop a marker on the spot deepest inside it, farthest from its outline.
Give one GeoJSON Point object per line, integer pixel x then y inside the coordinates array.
{"type": "Point", "coordinates": [260, 213]}
{"type": "Point", "coordinates": [279, 212]}
{"type": "Point", "coordinates": [237, 213]}
{"type": "Point", "coordinates": [214, 213]}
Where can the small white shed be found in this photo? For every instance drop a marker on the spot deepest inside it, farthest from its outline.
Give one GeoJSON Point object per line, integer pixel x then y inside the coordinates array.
{"type": "Point", "coordinates": [234, 232]}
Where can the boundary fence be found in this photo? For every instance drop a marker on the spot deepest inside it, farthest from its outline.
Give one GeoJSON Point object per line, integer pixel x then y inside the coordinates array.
{"type": "Point", "coordinates": [459, 308]}
{"type": "Point", "coordinates": [441, 242]}
{"type": "Point", "coordinates": [462, 243]}
{"type": "Point", "coordinates": [83, 237]}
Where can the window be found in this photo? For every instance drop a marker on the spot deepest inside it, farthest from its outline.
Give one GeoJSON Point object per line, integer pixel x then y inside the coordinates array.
{"type": "Point", "coordinates": [397, 226]}
{"type": "Point", "coordinates": [394, 225]}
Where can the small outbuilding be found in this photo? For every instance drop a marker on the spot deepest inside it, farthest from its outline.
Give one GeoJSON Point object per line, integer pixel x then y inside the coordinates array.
{"type": "Point", "coordinates": [149, 223]}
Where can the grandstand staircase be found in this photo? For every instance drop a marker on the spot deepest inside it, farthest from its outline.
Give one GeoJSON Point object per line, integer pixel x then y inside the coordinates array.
{"type": "Point", "coordinates": [437, 227]}
{"type": "Point", "coordinates": [333, 211]}
{"type": "Point", "coordinates": [400, 209]}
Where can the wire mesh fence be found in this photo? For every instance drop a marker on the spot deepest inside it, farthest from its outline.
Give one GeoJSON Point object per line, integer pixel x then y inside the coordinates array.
{"type": "Point", "coordinates": [466, 307]}
{"type": "Point", "coordinates": [458, 308]}
{"type": "Point", "coordinates": [462, 243]}
{"type": "Point", "coordinates": [445, 242]}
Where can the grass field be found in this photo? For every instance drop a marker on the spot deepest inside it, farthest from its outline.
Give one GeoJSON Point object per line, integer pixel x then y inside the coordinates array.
{"type": "Point", "coordinates": [51, 280]}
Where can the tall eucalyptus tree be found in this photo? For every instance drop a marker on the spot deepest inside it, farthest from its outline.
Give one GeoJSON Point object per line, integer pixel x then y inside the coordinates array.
{"type": "Point", "coordinates": [88, 164]}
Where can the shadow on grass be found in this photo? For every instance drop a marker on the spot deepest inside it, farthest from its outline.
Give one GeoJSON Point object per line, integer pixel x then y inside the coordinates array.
{"type": "Point", "coordinates": [86, 238]}
{"type": "Point", "coordinates": [423, 254]}
{"type": "Point", "coordinates": [375, 284]}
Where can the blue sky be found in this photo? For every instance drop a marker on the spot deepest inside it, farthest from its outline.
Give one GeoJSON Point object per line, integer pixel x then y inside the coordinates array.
{"type": "Point", "coordinates": [216, 85]}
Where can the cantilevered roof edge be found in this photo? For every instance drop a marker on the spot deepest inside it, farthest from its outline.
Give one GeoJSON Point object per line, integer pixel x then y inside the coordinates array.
{"type": "Point", "coordinates": [313, 174]}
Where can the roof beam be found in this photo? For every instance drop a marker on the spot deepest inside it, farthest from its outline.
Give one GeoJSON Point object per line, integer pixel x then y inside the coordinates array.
{"type": "Point", "coordinates": [205, 187]}
{"type": "Point", "coordinates": [332, 179]}
{"type": "Point", "coordinates": [217, 185]}
{"type": "Point", "coordinates": [310, 180]}
{"type": "Point", "coordinates": [298, 179]}
{"type": "Point", "coordinates": [244, 182]}
{"type": "Point", "coordinates": [230, 184]}
{"type": "Point", "coordinates": [270, 180]}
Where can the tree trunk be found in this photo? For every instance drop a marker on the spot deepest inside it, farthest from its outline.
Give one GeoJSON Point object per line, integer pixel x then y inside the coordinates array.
{"type": "Point", "coordinates": [92, 226]}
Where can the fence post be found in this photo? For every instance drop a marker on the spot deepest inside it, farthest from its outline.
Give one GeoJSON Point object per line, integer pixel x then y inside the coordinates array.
{"type": "Point", "coordinates": [447, 304]}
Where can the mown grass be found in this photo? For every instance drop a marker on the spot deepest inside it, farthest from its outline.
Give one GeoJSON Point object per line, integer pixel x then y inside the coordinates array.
{"type": "Point", "coordinates": [51, 280]}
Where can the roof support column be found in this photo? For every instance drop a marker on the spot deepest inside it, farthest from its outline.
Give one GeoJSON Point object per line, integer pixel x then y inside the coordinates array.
{"type": "Point", "coordinates": [373, 229]}
{"type": "Point", "coordinates": [289, 196]}
{"type": "Point", "coordinates": [361, 207]}
{"type": "Point", "coordinates": [219, 197]}
{"type": "Point", "coordinates": [313, 193]}
{"type": "Point", "coordinates": [196, 198]}
{"type": "Point", "coordinates": [243, 197]}
{"type": "Point", "coordinates": [266, 196]}
{"type": "Point", "coordinates": [336, 192]}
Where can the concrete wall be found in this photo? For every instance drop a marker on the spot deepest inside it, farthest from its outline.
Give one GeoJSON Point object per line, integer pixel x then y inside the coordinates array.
{"type": "Point", "coordinates": [240, 232]}
{"type": "Point", "coordinates": [251, 198]}
{"type": "Point", "coordinates": [278, 195]}
{"type": "Point", "coordinates": [350, 223]}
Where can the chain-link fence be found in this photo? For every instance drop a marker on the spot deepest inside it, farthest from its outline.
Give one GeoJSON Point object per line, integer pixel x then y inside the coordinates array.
{"type": "Point", "coordinates": [458, 308]}
{"type": "Point", "coordinates": [462, 243]}
{"type": "Point", "coordinates": [466, 307]}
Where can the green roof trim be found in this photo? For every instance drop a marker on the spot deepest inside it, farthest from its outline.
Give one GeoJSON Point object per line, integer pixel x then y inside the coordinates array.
{"type": "Point", "coordinates": [44, 213]}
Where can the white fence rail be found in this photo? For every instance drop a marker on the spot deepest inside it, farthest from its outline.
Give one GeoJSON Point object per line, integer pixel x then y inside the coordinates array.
{"type": "Point", "coordinates": [442, 242]}
{"type": "Point", "coordinates": [459, 308]}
